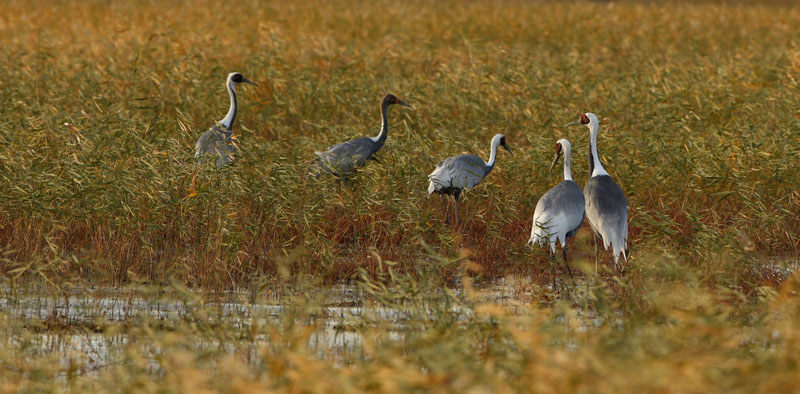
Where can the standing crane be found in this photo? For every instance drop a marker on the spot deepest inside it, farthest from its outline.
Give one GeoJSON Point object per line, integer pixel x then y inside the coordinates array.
{"type": "Point", "coordinates": [458, 173]}
{"type": "Point", "coordinates": [219, 139]}
{"type": "Point", "coordinates": [606, 207]}
{"type": "Point", "coordinates": [559, 213]}
{"type": "Point", "coordinates": [343, 159]}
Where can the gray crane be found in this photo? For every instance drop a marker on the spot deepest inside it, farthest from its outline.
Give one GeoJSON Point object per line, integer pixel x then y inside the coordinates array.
{"type": "Point", "coordinates": [458, 173]}
{"type": "Point", "coordinates": [606, 207]}
{"type": "Point", "coordinates": [219, 140]}
{"type": "Point", "coordinates": [560, 212]}
{"type": "Point", "coordinates": [343, 159]}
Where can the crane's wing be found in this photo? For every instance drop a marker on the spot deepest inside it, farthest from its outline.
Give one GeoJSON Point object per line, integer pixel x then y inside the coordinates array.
{"type": "Point", "coordinates": [559, 214]}
{"type": "Point", "coordinates": [457, 172]}
{"type": "Point", "coordinates": [607, 211]}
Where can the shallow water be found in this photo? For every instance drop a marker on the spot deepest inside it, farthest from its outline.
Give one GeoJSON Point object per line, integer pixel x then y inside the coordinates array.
{"type": "Point", "coordinates": [75, 329]}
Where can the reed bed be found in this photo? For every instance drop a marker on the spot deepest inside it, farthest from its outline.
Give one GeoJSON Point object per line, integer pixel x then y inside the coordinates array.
{"type": "Point", "coordinates": [101, 103]}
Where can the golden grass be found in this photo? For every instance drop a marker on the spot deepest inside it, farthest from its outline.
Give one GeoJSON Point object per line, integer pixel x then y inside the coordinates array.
{"type": "Point", "coordinates": [101, 103]}
{"type": "Point", "coordinates": [101, 109]}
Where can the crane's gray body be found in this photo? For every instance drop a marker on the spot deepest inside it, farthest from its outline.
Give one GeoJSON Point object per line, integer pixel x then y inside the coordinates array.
{"type": "Point", "coordinates": [457, 173]}
{"type": "Point", "coordinates": [607, 211]}
{"type": "Point", "coordinates": [559, 215]}
{"type": "Point", "coordinates": [345, 158]}
{"type": "Point", "coordinates": [218, 142]}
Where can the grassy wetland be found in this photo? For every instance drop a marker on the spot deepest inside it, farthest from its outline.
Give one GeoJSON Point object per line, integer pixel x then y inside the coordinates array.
{"type": "Point", "coordinates": [125, 265]}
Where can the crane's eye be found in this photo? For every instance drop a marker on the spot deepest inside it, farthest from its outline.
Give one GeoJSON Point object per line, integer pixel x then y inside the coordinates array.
{"type": "Point", "coordinates": [237, 78]}
{"type": "Point", "coordinates": [558, 147]}
{"type": "Point", "coordinates": [584, 119]}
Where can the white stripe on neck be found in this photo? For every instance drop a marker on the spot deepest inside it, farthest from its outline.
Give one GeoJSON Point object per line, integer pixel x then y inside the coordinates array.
{"type": "Point", "coordinates": [384, 122]}
{"type": "Point", "coordinates": [493, 154]}
{"type": "Point", "coordinates": [378, 137]}
{"type": "Point", "coordinates": [598, 168]}
{"type": "Point", "coordinates": [567, 165]}
{"type": "Point", "coordinates": [231, 116]}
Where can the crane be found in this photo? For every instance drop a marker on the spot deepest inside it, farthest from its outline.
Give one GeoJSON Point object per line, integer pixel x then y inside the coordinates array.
{"type": "Point", "coordinates": [560, 212]}
{"type": "Point", "coordinates": [343, 159]}
{"type": "Point", "coordinates": [458, 173]}
{"type": "Point", "coordinates": [606, 207]}
{"type": "Point", "coordinates": [219, 139]}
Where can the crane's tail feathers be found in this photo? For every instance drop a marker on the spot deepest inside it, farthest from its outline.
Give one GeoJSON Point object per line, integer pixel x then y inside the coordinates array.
{"type": "Point", "coordinates": [536, 240]}
{"type": "Point", "coordinates": [562, 239]}
{"type": "Point", "coordinates": [625, 248]}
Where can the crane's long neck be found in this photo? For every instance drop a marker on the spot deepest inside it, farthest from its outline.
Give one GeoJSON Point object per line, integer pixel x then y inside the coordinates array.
{"type": "Point", "coordinates": [567, 165]}
{"type": "Point", "coordinates": [493, 155]}
{"type": "Point", "coordinates": [381, 138]}
{"type": "Point", "coordinates": [595, 167]}
{"type": "Point", "coordinates": [227, 123]}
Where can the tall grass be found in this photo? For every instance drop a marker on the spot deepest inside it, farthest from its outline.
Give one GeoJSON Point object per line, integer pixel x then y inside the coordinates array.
{"type": "Point", "coordinates": [102, 102]}
{"type": "Point", "coordinates": [101, 197]}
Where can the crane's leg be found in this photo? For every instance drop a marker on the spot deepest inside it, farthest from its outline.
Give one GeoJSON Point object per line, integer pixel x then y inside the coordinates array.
{"type": "Point", "coordinates": [341, 182]}
{"type": "Point", "coordinates": [594, 235]}
{"type": "Point", "coordinates": [446, 214]}
{"type": "Point", "coordinates": [458, 221]}
{"type": "Point", "coordinates": [566, 263]}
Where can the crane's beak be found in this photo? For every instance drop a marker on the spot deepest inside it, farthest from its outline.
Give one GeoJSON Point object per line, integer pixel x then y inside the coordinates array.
{"type": "Point", "coordinates": [404, 104]}
{"type": "Point", "coordinates": [558, 156]}
{"type": "Point", "coordinates": [577, 122]}
{"type": "Point", "coordinates": [245, 80]}
{"type": "Point", "coordinates": [508, 149]}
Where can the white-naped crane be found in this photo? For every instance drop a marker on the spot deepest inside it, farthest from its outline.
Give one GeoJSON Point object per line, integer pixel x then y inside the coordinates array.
{"type": "Point", "coordinates": [606, 207]}
{"type": "Point", "coordinates": [343, 159]}
{"type": "Point", "coordinates": [560, 212]}
{"type": "Point", "coordinates": [219, 140]}
{"type": "Point", "coordinates": [458, 173]}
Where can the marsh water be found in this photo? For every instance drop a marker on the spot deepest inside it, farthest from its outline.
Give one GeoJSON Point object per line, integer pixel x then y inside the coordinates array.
{"type": "Point", "coordinates": [90, 329]}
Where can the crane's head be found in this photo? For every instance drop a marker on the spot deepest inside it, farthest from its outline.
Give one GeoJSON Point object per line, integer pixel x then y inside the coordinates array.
{"type": "Point", "coordinates": [237, 78]}
{"type": "Point", "coordinates": [562, 148]}
{"type": "Point", "coordinates": [500, 140]}
{"type": "Point", "coordinates": [390, 99]}
{"type": "Point", "coordinates": [589, 119]}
